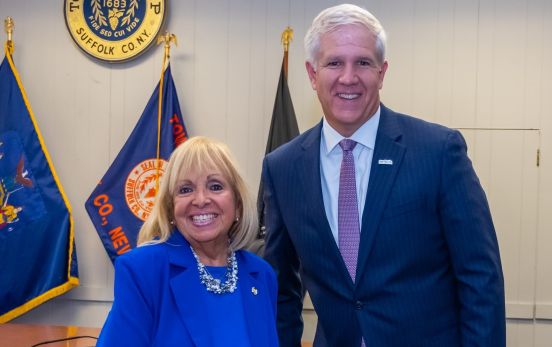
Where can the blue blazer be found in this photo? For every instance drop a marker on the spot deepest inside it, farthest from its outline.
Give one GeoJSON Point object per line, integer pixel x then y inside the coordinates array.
{"type": "Point", "coordinates": [428, 272]}
{"type": "Point", "coordinates": [159, 299]}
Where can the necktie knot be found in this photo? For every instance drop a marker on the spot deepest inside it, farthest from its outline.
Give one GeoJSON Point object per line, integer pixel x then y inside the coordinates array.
{"type": "Point", "coordinates": [347, 144]}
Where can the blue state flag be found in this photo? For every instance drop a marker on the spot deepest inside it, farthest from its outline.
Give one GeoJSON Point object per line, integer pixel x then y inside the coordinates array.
{"type": "Point", "coordinates": [37, 248]}
{"type": "Point", "coordinates": [124, 197]}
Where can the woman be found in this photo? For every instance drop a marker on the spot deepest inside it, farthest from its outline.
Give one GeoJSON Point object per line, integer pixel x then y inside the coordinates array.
{"type": "Point", "coordinates": [190, 283]}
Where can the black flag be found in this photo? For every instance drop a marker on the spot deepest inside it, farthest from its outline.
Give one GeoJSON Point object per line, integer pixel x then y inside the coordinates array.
{"type": "Point", "coordinates": [283, 128]}
{"type": "Point", "coordinates": [284, 124]}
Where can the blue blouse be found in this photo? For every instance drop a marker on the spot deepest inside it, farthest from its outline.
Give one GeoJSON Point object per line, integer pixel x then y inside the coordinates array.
{"type": "Point", "coordinates": [232, 329]}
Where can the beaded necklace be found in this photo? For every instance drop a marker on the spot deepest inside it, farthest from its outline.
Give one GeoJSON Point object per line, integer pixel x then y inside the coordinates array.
{"type": "Point", "coordinates": [215, 285]}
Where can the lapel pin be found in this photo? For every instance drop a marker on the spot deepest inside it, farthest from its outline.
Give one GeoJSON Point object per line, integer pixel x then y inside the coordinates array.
{"type": "Point", "coordinates": [385, 162]}
{"type": "Point", "coordinates": [254, 291]}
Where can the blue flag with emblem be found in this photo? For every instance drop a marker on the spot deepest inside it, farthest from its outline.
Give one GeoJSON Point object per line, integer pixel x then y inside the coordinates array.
{"type": "Point", "coordinates": [38, 258]}
{"type": "Point", "coordinates": [124, 197]}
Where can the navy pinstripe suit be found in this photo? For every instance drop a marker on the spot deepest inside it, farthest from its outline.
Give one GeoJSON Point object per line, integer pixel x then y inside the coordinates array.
{"type": "Point", "coordinates": [429, 271]}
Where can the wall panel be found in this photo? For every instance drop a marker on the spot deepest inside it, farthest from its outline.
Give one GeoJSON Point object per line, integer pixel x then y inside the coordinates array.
{"type": "Point", "coordinates": [544, 107]}
{"type": "Point", "coordinates": [505, 161]}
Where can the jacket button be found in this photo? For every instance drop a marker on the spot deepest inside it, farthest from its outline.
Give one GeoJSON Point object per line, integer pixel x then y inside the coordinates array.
{"type": "Point", "coordinates": [359, 305]}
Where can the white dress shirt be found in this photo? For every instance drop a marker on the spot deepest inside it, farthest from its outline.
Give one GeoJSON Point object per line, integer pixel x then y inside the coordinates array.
{"type": "Point", "coordinates": [331, 155]}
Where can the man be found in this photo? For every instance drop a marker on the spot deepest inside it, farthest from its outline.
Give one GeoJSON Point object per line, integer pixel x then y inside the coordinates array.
{"type": "Point", "coordinates": [388, 230]}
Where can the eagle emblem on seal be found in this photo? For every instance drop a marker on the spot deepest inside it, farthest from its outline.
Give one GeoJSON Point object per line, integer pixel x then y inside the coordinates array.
{"type": "Point", "coordinates": [20, 201]}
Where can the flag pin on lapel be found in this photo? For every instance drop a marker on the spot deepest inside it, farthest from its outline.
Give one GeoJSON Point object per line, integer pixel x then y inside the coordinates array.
{"type": "Point", "coordinates": [385, 162]}
{"type": "Point", "coordinates": [254, 291]}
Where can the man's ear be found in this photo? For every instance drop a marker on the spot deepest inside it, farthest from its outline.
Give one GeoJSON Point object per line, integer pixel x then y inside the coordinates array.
{"type": "Point", "coordinates": [382, 73]}
{"type": "Point", "coordinates": [312, 74]}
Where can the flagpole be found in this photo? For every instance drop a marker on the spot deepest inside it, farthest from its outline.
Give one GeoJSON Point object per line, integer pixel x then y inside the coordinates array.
{"type": "Point", "coordinates": [287, 37]}
{"type": "Point", "coordinates": [8, 26]}
{"type": "Point", "coordinates": [167, 39]}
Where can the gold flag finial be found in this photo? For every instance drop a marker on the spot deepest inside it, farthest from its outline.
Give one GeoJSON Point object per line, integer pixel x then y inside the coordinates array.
{"type": "Point", "coordinates": [8, 26]}
{"type": "Point", "coordinates": [167, 39]}
{"type": "Point", "coordinates": [287, 37]}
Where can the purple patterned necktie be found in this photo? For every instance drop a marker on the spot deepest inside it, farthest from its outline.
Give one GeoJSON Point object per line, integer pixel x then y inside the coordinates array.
{"type": "Point", "coordinates": [347, 209]}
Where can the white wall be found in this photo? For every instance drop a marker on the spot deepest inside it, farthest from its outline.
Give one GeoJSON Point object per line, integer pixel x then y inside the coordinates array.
{"type": "Point", "coordinates": [480, 65]}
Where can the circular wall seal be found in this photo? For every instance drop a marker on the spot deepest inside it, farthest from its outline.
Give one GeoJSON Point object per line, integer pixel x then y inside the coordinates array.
{"type": "Point", "coordinates": [141, 186]}
{"type": "Point", "coordinates": [114, 30]}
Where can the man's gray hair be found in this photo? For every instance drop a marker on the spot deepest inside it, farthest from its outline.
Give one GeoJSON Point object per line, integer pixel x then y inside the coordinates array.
{"type": "Point", "coordinates": [332, 18]}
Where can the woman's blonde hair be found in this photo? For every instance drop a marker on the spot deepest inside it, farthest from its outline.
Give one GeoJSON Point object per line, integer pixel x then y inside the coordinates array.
{"type": "Point", "coordinates": [200, 154]}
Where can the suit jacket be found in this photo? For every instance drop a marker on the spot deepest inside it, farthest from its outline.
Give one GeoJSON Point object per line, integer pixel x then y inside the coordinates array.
{"type": "Point", "coordinates": [428, 272]}
{"type": "Point", "coordinates": [159, 299]}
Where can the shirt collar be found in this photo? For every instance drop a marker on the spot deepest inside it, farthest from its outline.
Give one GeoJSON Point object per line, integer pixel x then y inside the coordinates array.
{"type": "Point", "coordinates": [365, 135]}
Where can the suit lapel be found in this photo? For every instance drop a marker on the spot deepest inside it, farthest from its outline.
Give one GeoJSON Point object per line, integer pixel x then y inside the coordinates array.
{"type": "Point", "coordinates": [310, 183]}
{"type": "Point", "coordinates": [188, 292]}
{"type": "Point", "coordinates": [309, 178]}
{"type": "Point", "coordinates": [388, 155]}
{"type": "Point", "coordinates": [190, 296]}
{"type": "Point", "coordinates": [253, 293]}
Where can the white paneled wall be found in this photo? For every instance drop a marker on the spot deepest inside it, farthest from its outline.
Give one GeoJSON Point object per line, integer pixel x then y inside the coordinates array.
{"type": "Point", "coordinates": [484, 66]}
{"type": "Point", "coordinates": [506, 163]}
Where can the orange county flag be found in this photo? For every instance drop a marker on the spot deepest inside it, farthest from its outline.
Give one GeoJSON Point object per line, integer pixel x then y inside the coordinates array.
{"type": "Point", "coordinates": [124, 197]}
